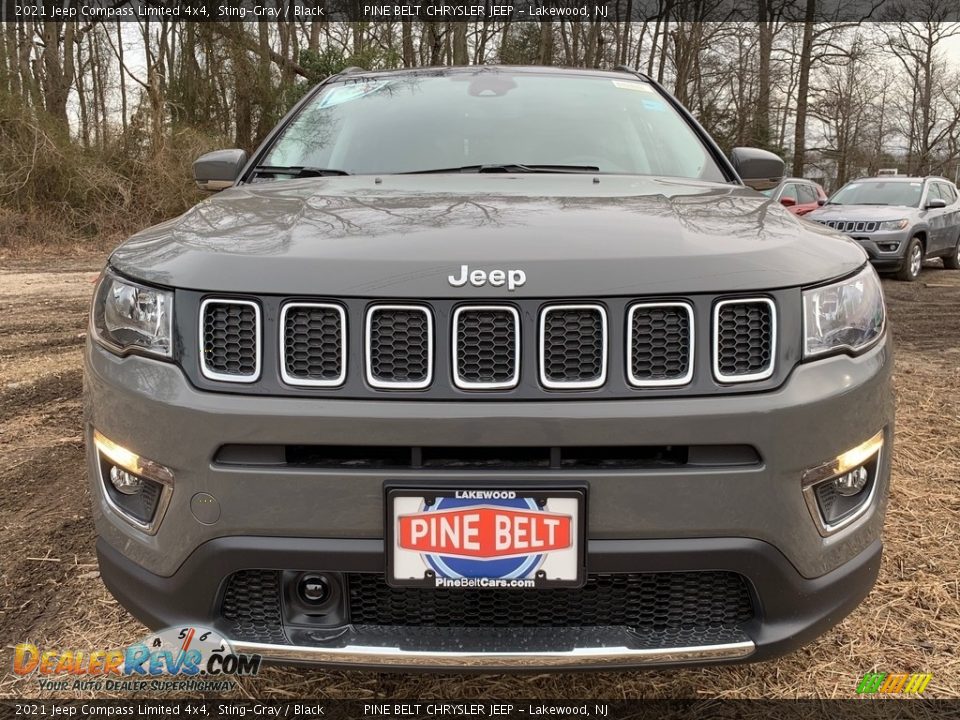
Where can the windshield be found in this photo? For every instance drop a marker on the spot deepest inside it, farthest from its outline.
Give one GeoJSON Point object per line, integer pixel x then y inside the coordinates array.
{"type": "Point", "coordinates": [879, 192]}
{"type": "Point", "coordinates": [417, 123]}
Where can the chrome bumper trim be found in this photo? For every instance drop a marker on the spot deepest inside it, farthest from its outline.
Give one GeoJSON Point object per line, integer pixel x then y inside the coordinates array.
{"type": "Point", "coordinates": [577, 657]}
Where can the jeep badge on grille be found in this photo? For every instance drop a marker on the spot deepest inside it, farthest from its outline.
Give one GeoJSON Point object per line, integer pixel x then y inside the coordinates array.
{"type": "Point", "coordinates": [498, 278]}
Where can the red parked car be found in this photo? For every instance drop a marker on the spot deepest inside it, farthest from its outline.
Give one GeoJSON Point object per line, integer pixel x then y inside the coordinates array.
{"type": "Point", "coordinates": [798, 195]}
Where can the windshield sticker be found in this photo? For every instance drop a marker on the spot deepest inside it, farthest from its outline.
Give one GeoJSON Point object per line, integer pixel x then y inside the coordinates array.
{"type": "Point", "coordinates": [639, 86]}
{"type": "Point", "coordinates": [348, 93]}
{"type": "Point", "coordinates": [657, 105]}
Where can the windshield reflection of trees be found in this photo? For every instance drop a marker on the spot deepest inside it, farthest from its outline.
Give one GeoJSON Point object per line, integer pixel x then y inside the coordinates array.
{"type": "Point", "coordinates": [311, 138]}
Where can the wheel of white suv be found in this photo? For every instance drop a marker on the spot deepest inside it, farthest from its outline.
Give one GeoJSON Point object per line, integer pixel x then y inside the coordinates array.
{"type": "Point", "coordinates": [952, 262]}
{"type": "Point", "coordinates": [912, 261]}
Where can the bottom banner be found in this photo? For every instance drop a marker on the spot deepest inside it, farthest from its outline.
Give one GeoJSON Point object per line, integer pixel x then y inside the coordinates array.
{"type": "Point", "coordinates": [432, 709]}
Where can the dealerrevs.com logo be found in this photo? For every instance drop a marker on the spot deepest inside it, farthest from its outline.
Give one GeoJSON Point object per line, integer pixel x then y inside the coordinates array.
{"type": "Point", "coordinates": [894, 683]}
{"type": "Point", "coordinates": [189, 658]}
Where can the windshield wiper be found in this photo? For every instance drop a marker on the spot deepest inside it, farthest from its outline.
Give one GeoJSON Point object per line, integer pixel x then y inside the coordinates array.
{"type": "Point", "coordinates": [297, 171]}
{"type": "Point", "coordinates": [510, 168]}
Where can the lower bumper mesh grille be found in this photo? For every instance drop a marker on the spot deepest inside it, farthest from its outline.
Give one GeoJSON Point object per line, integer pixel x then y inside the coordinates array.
{"type": "Point", "coordinates": [644, 600]}
{"type": "Point", "coordinates": [655, 602]}
{"type": "Point", "coordinates": [251, 606]}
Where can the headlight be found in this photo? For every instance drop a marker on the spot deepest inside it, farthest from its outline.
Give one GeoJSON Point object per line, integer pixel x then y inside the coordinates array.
{"type": "Point", "coordinates": [848, 315]}
{"type": "Point", "coordinates": [130, 316]}
{"type": "Point", "coordinates": [894, 224]}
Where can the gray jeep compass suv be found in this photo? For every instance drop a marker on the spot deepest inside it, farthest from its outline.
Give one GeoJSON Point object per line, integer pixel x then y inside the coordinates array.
{"type": "Point", "coordinates": [899, 221]}
{"type": "Point", "coordinates": [486, 368]}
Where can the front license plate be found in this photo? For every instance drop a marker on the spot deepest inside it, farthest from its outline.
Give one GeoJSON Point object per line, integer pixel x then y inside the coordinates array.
{"type": "Point", "coordinates": [498, 538]}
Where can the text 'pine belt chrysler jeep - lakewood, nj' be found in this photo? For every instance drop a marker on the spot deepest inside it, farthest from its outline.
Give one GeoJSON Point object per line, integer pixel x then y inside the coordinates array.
{"type": "Point", "coordinates": [485, 368]}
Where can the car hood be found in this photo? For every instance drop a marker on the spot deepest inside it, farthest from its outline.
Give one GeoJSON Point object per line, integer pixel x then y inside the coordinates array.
{"type": "Point", "coordinates": [877, 213]}
{"type": "Point", "coordinates": [404, 235]}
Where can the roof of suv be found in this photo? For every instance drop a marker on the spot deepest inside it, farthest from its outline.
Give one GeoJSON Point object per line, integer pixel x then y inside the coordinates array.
{"type": "Point", "coordinates": [901, 178]}
{"type": "Point", "coordinates": [617, 72]}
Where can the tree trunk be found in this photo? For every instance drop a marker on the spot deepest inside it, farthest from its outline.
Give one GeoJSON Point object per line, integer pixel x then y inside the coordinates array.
{"type": "Point", "coordinates": [665, 39]}
{"type": "Point", "coordinates": [409, 59]}
{"type": "Point", "coordinates": [57, 69]}
{"type": "Point", "coordinates": [460, 56]}
{"type": "Point", "coordinates": [546, 43]}
{"type": "Point", "coordinates": [625, 41]}
{"type": "Point", "coordinates": [761, 115]}
{"type": "Point", "coordinates": [434, 41]}
{"type": "Point", "coordinates": [803, 90]}
{"type": "Point", "coordinates": [82, 100]}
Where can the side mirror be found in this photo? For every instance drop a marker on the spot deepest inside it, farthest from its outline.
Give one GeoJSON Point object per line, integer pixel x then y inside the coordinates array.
{"type": "Point", "coordinates": [936, 204]}
{"type": "Point", "coordinates": [758, 168]}
{"type": "Point", "coordinates": [821, 201]}
{"type": "Point", "coordinates": [787, 201]}
{"type": "Point", "coordinates": [219, 169]}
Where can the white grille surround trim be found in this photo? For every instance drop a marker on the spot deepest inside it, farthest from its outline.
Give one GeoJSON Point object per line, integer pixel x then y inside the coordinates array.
{"type": "Point", "coordinates": [211, 374]}
{"type": "Point", "coordinates": [600, 380]}
{"type": "Point", "coordinates": [379, 383]}
{"type": "Point", "coordinates": [307, 382]}
{"type": "Point", "coordinates": [715, 332]}
{"type": "Point", "coordinates": [670, 382]}
{"type": "Point", "coordinates": [455, 345]}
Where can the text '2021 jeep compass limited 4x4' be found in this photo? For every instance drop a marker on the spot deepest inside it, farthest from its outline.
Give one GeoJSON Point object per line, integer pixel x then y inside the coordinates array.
{"type": "Point", "coordinates": [490, 367]}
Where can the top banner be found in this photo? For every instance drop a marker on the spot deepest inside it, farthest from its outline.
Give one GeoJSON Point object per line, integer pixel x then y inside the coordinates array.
{"type": "Point", "coordinates": [820, 11]}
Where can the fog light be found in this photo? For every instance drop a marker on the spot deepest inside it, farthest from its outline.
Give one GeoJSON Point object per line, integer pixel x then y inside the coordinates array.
{"type": "Point", "coordinates": [130, 461]}
{"type": "Point", "coordinates": [127, 483]}
{"type": "Point", "coordinates": [136, 488]}
{"type": "Point", "coordinates": [841, 490]}
{"type": "Point", "coordinates": [852, 482]}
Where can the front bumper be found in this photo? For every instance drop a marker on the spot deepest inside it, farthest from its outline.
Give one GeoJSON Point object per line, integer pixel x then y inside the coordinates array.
{"type": "Point", "coordinates": [750, 519]}
{"type": "Point", "coordinates": [793, 611]}
{"type": "Point", "coordinates": [887, 250]}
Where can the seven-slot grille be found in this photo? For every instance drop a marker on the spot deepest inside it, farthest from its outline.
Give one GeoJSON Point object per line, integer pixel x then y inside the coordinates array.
{"type": "Point", "coordinates": [660, 344]}
{"type": "Point", "coordinates": [573, 346]}
{"type": "Point", "coordinates": [399, 341]}
{"type": "Point", "coordinates": [744, 339]}
{"type": "Point", "coordinates": [486, 347]}
{"type": "Point", "coordinates": [849, 226]}
{"type": "Point", "coordinates": [312, 345]}
{"type": "Point", "coordinates": [230, 340]}
{"type": "Point", "coordinates": [485, 340]}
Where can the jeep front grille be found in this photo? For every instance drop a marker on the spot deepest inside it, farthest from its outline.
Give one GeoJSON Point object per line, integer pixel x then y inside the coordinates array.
{"type": "Point", "coordinates": [526, 349]}
{"type": "Point", "coordinates": [744, 340]}
{"type": "Point", "coordinates": [399, 342]}
{"type": "Point", "coordinates": [312, 346]}
{"type": "Point", "coordinates": [486, 347]}
{"type": "Point", "coordinates": [660, 344]}
{"type": "Point", "coordinates": [230, 340]}
{"type": "Point", "coordinates": [849, 226]}
{"type": "Point", "coordinates": [573, 346]}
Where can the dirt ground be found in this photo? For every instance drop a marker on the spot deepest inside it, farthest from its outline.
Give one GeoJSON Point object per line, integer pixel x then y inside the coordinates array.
{"type": "Point", "coordinates": [52, 595]}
